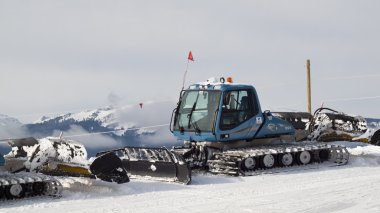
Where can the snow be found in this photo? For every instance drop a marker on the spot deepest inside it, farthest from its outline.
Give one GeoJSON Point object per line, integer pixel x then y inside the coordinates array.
{"type": "Point", "coordinates": [349, 188]}
{"type": "Point", "coordinates": [55, 148]}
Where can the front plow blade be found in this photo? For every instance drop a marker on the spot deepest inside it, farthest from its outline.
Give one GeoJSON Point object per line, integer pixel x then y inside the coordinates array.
{"type": "Point", "coordinates": [154, 163]}
{"type": "Point", "coordinates": [108, 167]}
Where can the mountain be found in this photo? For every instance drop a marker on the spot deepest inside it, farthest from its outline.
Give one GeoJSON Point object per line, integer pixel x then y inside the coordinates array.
{"type": "Point", "coordinates": [100, 129]}
{"type": "Point", "coordinates": [373, 123]}
{"type": "Point", "coordinates": [122, 125]}
{"type": "Point", "coordinates": [9, 128]}
{"type": "Point", "coordinates": [5, 120]}
{"type": "Point", "coordinates": [86, 123]}
{"type": "Point", "coordinates": [98, 120]}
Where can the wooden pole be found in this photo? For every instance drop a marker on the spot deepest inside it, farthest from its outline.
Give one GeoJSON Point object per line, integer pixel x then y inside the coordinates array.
{"type": "Point", "coordinates": [308, 86]}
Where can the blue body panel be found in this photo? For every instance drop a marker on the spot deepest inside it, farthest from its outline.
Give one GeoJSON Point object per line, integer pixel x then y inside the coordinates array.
{"type": "Point", "coordinates": [261, 125]}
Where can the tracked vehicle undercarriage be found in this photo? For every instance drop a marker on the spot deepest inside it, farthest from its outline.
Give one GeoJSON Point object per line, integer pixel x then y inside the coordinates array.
{"type": "Point", "coordinates": [21, 185]}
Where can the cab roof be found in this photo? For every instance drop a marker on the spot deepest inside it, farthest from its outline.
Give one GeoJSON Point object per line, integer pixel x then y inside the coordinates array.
{"type": "Point", "coordinates": [213, 84]}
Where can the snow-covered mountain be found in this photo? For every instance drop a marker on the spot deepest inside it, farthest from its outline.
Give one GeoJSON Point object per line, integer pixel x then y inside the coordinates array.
{"type": "Point", "coordinates": [105, 116]}
{"type": "Point", "coordinates": [86, 123]}
{"type": "Point", "coordinates": [373, 123]}
{"type": "Point", "coordinates": [125, 126]}
{"type": "Point", "coordinates": [122, 124]}
{"type": "Point", "coordinates": [5, 120]}
{"type": "Point", "coordinates": [97, 120]}
{"type": "Point", "coordinates": [10, 127]}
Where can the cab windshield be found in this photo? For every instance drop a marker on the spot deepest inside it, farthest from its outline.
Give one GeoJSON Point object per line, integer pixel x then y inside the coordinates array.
{"type": "Point", "coordinates": [197, 111]}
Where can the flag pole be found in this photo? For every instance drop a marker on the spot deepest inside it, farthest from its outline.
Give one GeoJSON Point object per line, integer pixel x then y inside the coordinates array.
{"type": "Point", "coordinates": [184, 75]}
{"type": "Point", "coordinates": [189, 58]}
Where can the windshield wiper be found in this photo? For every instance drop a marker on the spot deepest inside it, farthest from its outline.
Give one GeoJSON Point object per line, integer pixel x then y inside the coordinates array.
{"type": "Point", "coordinates": [191, 114]}
{"type": "Point", "coordinates": [195, 125]}
{"type": "Point", "coordinates": [191, 123]}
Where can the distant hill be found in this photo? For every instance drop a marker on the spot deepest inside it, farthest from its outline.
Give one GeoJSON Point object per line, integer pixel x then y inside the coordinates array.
{"type": "Point", "coordinates": [373, 123]}
{"type": "Point", "coordinates": [122, 125]}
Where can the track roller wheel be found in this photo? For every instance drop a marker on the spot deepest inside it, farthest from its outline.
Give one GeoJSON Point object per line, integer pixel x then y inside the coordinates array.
{"type": "Point", "coordinates": [249, 163]}
{"type": "Point", "coordinates": [14, 191]}
{"type": "Point", "coordinates": [268, 161]}
{"type": "Point", "coordinates": [303, 157]}
{"type": "Point", "coordinates": [285, 159]}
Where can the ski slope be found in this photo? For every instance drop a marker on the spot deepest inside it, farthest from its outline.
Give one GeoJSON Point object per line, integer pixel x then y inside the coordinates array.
{"type": "Point", "coordinates": [351, 188]}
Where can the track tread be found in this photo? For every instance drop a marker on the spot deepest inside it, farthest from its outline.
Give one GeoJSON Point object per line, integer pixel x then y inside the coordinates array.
{"type": "Point", "coordinates": [229, 162]}
{"type": "Point", "coordinates": [32, 184]}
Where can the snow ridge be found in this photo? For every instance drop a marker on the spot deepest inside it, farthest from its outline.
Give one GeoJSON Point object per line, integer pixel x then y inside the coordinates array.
{"type": "Point", "coordinates": [105, 116]}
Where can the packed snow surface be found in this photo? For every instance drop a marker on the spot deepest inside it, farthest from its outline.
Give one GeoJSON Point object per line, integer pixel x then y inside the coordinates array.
{"type": "Point", "coordinates": [351, 188]}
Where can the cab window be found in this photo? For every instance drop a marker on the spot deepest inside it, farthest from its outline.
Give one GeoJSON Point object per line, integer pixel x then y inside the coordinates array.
{"type": "Point", "coordinates": [238, 106]}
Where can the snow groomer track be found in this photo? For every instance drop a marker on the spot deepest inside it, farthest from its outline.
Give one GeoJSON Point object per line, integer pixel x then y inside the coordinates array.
{"type": "Point", "coordinates": [254, 161]}
{"type": "Point", "coordinates": [21, 185]}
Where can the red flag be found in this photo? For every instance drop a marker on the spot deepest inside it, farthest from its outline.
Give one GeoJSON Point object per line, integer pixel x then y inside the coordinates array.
{"type": "Point", "coordinates": [190, 57]}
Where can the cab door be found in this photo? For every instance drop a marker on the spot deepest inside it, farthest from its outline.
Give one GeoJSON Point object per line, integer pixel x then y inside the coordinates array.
{"type": "Point", "coordinates": [240, 117]}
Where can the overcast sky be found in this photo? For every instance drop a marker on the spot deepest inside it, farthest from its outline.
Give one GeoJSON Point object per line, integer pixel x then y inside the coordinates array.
{"type": "Point", "coordinates": [61, 56]}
